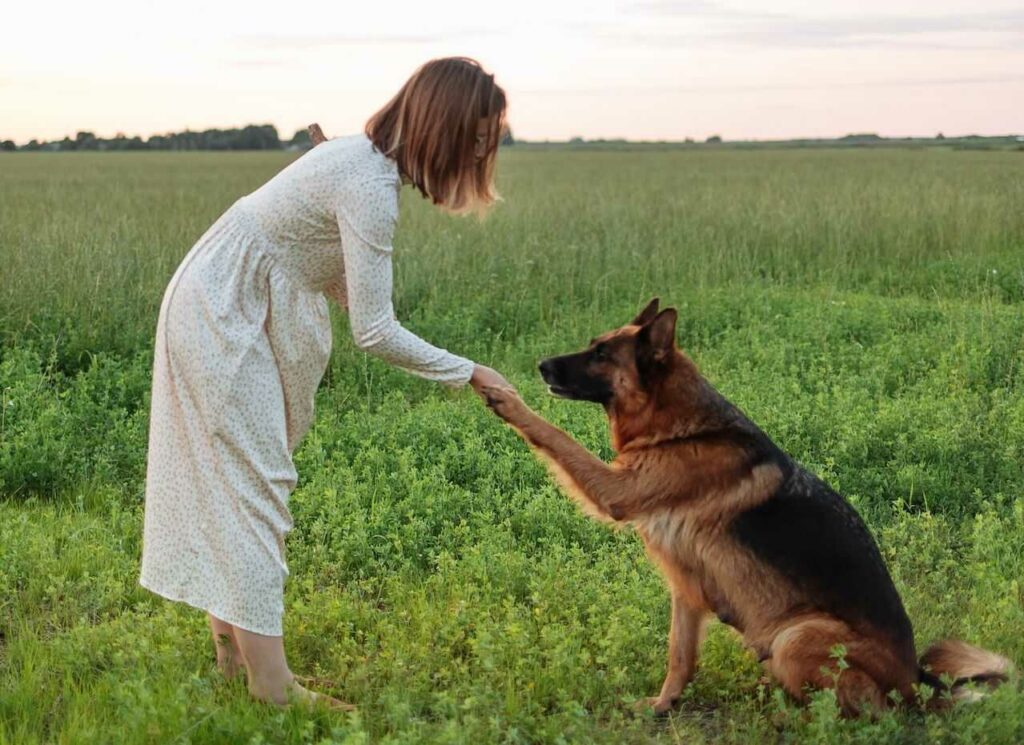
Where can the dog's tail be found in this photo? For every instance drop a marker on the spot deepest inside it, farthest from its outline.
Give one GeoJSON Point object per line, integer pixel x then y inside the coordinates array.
{"type": "Point", "coordinates": [960, 664]}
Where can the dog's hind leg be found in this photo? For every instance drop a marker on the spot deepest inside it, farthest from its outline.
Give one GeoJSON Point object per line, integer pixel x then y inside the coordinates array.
{"type": "Point", "coordinates": [802, 656]}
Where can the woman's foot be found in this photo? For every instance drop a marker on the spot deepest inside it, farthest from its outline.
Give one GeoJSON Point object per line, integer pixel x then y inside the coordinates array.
{"type": "Point", "coordinates": [270, 680]}
{"type": "Point", "coordinates": [294, 693]}
{"type": "Point", "coordinates": [308, 680]}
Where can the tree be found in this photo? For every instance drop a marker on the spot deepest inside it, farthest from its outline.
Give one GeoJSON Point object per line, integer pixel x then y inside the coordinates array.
{"type": "Point", "coordinates": [301, 139]}
{"type": "Point", "coordinates": [861, 137]}
{"type": "Point", "coordinates": [8, 146]}
{"type": "Point", "coordinates": [86, 141]}
{"type": "Point", "coordinates": [506, 137]}
{"type": "Point", "coordinates": [714, 140]}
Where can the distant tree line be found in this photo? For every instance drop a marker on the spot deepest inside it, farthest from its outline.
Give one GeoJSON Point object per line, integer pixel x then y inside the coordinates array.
{"type": "Point", "coordinates": [265, 137]}
{"type": "Point", "coordinates": [252, 137]}
{"type": "Point", "coordinates": [852, 140]}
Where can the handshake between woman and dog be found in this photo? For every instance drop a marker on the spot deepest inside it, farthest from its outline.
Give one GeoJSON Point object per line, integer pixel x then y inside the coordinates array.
{"type": "Point", "coordinates": [738, 528]}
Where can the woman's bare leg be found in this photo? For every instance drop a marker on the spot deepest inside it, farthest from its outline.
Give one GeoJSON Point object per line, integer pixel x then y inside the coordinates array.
{"type": "Point", "coordinates": [270, 679]}
{"type": "Point", "coordinates": [229, 655]}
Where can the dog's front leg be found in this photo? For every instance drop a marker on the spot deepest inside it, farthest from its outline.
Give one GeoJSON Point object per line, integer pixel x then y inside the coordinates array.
{"type": "Point", "coordinates": [683, 640]}
{"type": "Point", "coordinates": [603, 491]}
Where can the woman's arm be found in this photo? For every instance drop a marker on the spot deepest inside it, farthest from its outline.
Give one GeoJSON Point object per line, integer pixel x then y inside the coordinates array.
{"type": "Point", "coordinates": [360, 260]}
{"type": "Point", "coordinates": [368, 282]}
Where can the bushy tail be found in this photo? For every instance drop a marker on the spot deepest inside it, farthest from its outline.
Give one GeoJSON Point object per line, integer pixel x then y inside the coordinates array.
{"type": "Point", "coordinates": [962, 663]}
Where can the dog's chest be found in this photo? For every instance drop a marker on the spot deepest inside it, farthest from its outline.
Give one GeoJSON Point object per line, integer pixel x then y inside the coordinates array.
{"type": "Point", "coordinates": [682, 543]}
{"type": "Point", "coordinates": [679, 533]}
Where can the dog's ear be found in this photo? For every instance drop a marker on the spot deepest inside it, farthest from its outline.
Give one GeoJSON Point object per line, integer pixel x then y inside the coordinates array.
{"type": "Point", "coordinates": [660, 334]}
{"type": "Point", "coordinates": [647, 314]}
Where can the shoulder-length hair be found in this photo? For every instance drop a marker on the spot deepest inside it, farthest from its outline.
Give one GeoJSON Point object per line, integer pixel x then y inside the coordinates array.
{"type": "Point", "coordinates": [430, 129]}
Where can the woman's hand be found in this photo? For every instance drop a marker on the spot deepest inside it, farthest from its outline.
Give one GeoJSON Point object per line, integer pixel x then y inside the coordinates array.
{"type": "Point", "coordinates": [485, 377]}
{"type": "Point", "coordinates": [316, 135]}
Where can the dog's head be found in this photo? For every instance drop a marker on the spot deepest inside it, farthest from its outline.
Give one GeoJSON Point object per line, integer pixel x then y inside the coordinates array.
{"type": "Point", "coordinates": [622, 369]}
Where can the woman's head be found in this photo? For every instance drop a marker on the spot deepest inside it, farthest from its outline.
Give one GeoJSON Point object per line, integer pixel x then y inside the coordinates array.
{"type": "Point", "coordinates": [442, 128]}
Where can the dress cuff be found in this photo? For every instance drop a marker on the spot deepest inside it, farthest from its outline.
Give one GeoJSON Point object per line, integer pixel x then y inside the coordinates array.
{"type": "Point", "coordinates": [463, 372]}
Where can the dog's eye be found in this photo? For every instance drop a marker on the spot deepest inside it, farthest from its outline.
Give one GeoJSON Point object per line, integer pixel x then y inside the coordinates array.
{"type": "Point", "coordinates": [601, 353]}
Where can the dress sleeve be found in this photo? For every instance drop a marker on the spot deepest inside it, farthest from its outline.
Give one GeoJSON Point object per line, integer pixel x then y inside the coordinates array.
{"type": "Point", "coordinates": [368, 283]}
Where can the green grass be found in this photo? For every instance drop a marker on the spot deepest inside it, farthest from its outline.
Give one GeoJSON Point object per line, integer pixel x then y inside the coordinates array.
{"type": "Point", "coordinates": [864, 307]}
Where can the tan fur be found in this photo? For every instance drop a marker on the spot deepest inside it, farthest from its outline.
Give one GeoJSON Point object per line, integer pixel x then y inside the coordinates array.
{"type": "Point", "coordinates": [801, 656]}
{"type": "Point", "coordinates": [963, 662]}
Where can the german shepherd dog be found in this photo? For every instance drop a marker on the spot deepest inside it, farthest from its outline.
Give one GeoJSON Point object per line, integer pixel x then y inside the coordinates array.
{"type": "Point", "coordinates": [737, 527]}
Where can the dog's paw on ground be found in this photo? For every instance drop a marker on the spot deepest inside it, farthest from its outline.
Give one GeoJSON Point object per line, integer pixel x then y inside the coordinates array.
{"type": "Point", "coordinates": [661, 707]}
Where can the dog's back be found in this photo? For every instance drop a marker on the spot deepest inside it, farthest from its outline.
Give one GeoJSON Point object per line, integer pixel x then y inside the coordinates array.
{"type": "Point", "coordinates": [813, 537]}
{"type": "Point", "coordinates": [785, 560]}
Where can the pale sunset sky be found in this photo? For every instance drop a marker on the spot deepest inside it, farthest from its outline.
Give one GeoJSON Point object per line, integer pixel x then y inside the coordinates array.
{"type": "Point", "coordinates": [639, 69]}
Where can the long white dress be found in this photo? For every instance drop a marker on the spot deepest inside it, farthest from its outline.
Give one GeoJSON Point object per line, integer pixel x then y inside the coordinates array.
{"type": "Point", "coordinates": [242, 341]}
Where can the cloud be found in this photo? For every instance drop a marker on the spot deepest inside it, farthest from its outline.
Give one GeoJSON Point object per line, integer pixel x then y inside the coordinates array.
{"type": "Point", "coordinates": [702, 23]}
{"type": "Point", "coordinates": [691, 8]}
{"type": "Point", "coordinates": [738, 88]}
{"type": "Point", "coordinates": [887, 31]}
{"type": "Point", "coordinates": [259, 62]}
{"type": "Point", "coordinates": [721, 24]}
{"type": "Point", "coordinates": [676, 7]}
{"type": "Point", "coordinates": [306, 41]}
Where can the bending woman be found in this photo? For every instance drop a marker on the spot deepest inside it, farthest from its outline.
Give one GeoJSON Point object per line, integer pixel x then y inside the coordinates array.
{"type": "Point", "coordinates": [243, 339]}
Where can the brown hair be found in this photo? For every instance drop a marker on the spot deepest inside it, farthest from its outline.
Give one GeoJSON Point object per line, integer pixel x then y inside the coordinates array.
{"type": "Point", "coordinates": [429, 129]}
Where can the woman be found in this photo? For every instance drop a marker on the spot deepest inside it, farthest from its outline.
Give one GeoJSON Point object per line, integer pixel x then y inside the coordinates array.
{"type": "Point", "coordinates": [243, 339]}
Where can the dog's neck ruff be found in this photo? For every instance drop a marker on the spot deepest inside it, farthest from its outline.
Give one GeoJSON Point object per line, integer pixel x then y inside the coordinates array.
{"type": "Point", "coordinates": [649, 441]}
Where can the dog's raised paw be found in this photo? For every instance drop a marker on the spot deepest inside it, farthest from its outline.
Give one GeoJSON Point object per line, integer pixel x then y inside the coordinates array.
{"type": "Point", "coordinates": [504, 402]}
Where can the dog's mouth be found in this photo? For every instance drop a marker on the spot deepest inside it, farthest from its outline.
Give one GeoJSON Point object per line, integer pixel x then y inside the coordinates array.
{"type": "Point", "coordinates": [578, 394]}
{"type": "Point", "coordinates": [571, 386]}
{"type": "Point", "coordinates": [557, 390]}
{"type": "Point", "coordinates": [553, 387]}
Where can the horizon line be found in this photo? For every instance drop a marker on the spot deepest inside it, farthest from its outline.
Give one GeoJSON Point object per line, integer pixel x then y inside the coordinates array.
{"type": "Point", "coordinates": [685, 140]}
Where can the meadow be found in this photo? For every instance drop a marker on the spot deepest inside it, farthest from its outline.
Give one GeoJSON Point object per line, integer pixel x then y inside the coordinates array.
{"type": "Point", "coordinates": [864, 307]}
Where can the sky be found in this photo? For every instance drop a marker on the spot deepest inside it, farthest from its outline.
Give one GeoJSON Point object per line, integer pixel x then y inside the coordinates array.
{"type": "Point", "coordinates": [637, 69]}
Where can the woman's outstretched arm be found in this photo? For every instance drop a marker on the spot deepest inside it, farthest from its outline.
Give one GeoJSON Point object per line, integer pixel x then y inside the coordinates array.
{"type": "Point", "coordinates": [368, 281]}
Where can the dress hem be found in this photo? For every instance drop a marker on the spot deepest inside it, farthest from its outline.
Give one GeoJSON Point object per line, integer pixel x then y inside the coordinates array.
{"type": "Point", "coordinates": [212, 611]}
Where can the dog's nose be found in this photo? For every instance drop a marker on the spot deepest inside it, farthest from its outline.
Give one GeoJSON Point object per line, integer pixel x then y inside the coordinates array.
{"type": "Point", "coordinates": [547, 368]}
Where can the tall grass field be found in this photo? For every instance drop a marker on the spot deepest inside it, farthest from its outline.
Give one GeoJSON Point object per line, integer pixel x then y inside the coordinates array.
{"type": "Point", "coordinates": [865, 308]}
